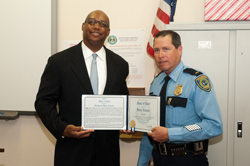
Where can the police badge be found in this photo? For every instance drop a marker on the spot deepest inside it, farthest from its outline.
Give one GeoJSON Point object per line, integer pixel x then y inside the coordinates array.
{"type": "Point", "coordinates": [178, 90]}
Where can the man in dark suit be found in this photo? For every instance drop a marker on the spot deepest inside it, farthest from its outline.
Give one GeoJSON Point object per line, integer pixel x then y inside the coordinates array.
{"type": "Point", "coordinates": [58, 103]}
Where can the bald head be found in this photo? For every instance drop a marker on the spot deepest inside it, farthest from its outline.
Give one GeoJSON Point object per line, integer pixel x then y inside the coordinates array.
{"type": "Point", "coordinates": [95, 13]}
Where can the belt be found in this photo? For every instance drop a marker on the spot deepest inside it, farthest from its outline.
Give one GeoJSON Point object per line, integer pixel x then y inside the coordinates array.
{"type": "Point", "coordinates": [196, 148]}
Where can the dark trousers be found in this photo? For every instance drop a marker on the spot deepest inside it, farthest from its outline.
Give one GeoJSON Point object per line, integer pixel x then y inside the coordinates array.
{"type": "Point", "coordinates": [184, 160]}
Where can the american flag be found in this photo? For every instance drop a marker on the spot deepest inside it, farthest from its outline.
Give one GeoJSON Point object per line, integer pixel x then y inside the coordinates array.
{"type": "Point", "coordinates": [164, 15]}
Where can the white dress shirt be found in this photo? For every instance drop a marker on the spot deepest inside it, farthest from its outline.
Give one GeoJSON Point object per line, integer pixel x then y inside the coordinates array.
{"type": "Point", "coordinates": [101, 65]}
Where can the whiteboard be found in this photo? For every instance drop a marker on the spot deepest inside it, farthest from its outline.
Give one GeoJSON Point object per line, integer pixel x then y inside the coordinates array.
{"type": "Point", "coordinates": [25, 45]}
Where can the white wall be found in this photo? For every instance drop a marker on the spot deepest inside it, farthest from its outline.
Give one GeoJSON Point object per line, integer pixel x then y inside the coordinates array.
{"type": "Point", "coordinates": [26, 141]}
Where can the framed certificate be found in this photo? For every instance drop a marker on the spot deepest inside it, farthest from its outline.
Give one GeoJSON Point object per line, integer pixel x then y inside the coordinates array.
{"type": "Point", "coordinates": [120, 112]}
{"type": "Point", "coordinates": [143, 113]}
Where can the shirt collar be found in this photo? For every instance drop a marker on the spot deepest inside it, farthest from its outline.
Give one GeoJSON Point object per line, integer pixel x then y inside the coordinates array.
{"type": "Point", "coordinates": [176, 72]}
{"type": "Point", "coordinates": [88, 53]}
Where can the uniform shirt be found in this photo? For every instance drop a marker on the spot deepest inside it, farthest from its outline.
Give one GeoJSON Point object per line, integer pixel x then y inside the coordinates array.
{"type": "Point", "coordinates": [101, 65]}
{"type": "Point", "coordinates": [192, 115]}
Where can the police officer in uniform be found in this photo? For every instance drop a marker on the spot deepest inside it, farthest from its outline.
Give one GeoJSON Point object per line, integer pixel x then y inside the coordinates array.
{"type": "Point", "coordinates": [190, 114]}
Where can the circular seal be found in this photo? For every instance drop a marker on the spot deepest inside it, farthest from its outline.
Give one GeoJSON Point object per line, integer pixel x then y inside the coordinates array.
{"type": "Point", "coordinates": [112, 40]}
{"type": "Point", "coordinates": [132, 123]}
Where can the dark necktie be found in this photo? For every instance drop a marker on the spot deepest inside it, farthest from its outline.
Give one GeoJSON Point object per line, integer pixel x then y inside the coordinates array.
{"type": "Point", "coordinates": [163, 101]}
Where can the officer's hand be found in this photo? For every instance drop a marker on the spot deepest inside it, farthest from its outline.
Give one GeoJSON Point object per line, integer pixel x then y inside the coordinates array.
{"type": "Point", "coordinates": [159, 134]}
{"type": "Point", "coordinates": [76, 132]}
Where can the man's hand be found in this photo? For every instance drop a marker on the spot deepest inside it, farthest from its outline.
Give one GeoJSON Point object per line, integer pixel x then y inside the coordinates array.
{"type": "Point", "coordinates": [72, 131]}
{"type": "Point", "coordinates": [159, 134]}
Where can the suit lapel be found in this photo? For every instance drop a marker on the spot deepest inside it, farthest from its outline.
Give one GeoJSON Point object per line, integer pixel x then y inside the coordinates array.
{"type": "Point", "coordinates": [112, 72]}
{"type": "Point", "coordinates": [79, 68]}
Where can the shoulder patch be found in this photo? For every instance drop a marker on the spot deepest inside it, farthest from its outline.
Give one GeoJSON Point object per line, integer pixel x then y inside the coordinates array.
{"type": "Point", "coordinates": [192, 71]}
{"type": "Point", "coordinates": [203, 83]}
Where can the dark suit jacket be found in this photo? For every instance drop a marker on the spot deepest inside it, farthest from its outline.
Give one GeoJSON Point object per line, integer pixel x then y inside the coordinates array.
{"type": "Point", "coordinates": [64, 80]}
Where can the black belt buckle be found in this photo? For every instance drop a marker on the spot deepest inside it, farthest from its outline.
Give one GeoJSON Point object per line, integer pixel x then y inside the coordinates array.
{"type": "Point", "coordinates": [163, 149]}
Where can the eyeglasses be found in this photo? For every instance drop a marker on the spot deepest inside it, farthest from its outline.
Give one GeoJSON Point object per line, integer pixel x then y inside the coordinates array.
{"type": "Point", "coordinates": [93, 21]}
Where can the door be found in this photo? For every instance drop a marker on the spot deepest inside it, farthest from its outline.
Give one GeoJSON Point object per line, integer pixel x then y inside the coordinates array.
{"type": "Point", "coordinates": [208, 51]}
{"type": "Point", "coordinates": [242, 92]}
